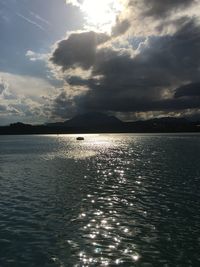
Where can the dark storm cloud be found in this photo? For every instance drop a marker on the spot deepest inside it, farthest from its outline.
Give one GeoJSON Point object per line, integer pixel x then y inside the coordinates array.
{"type": "Point", "coordinates": [76, 80]}
{"type": "Point", "coordinates": [178, 55]}
{"type": "Point", "coordinates": [190, 90]}
{"type": "Point", "coordinates": [139, 83]}
{"type": "Point", "coordinates": [131, 104]}
{"type": "Point", "coordinates": [160, 8]}
{"type": "Point", "coordinates": [78, 50]}
{"type": "Point", "coordinates": [63, 106]}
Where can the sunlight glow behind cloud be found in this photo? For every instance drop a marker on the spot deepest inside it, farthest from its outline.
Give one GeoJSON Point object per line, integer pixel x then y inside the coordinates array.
{"type": "Point", "coordinates": [99, 15]}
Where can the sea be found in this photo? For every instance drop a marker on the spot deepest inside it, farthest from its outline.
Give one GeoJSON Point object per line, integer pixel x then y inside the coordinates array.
{"type": "Point", "coordinates": [109, 200]}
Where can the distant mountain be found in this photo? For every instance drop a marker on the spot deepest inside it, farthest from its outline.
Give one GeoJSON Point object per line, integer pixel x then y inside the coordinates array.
{"type": "Point", "coordinates": [102, 123]}
{"type": "Point", "coordinates": [88, 121]}
{"type": "Point", "coordinates": [20, 125]}
{"type": "Point", "coordinates": [93, 120]}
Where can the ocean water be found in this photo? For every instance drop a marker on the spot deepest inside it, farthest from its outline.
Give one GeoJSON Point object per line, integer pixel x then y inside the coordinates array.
{"type": "Point", "coordinates": [110, 200]}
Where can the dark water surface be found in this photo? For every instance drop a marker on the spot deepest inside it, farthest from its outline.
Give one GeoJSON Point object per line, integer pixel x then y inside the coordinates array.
{"type": "Point", "coordinates": [111, 200]}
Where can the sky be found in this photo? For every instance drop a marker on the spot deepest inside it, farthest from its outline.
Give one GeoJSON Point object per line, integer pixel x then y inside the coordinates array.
{"type": "Point", "coordinates": [135, 59]}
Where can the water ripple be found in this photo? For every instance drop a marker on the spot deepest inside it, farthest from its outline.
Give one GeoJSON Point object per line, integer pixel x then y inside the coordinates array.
{"type": "Point", "coordinates": [112, 200]}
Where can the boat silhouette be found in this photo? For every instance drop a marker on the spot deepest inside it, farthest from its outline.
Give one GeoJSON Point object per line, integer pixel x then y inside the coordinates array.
{"type": "Point", "coordinates": [80, 138]}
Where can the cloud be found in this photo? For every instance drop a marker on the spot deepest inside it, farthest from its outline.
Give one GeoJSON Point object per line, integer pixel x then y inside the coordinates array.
{"type": "Point", "coordinates": [120, 27]}
{"type": "Point", "coordinates": [135, 79]}
{"type": "Point", "coordinates": [3, 86]}
{"type": "Point", "coordinates": [78, 50]}
{"type": "Point", "coordinates": [33, 56]}
{"type": "Point", "coordinates": [25, 85]}
{"type": "Point", "coordinates": [153, 17]}
{"type": "Point", "coordinates": [63, 106]}
{"type": "Point", "coordinates": [78, 81]}
{"type": "Point", "coordinates": [5, 92]}
{"type": "Point", "coordinates": [138, 84]}
{"type": "Point", "coordinates": [25, 98]}
{"type": "Point", "coordinates": [3, 108]}
{"type": "Point", "coordinates": [159, 9]}
{"type": "Point", "coordinates": [143, 82]}
{"type": "Point", "coordinates": [188, 90]}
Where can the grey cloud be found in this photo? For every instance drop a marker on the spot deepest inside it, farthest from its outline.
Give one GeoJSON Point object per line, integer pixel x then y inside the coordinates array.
{"type": "Point", "coordinates": [120, 27]}
{"type": "Point", "coordinates": [190, 90]}
{"type": "Point", "coordinates": [3, 86]}
{"type": "Point", "coordinates": [8, 110]}
{"type": "Point", "coordinates": [63, 106]}
{"type": "Point", "coordinates": [78, 50]}
{"type": "Point", "coordinates": [76, 80]}
{"type": "Point", "coordinates": [5, 92]}
{"type": "Point", "coordinates": [3, 108]}
{"type": "Point", "coordinates": [131, 104]}
{"type": "Point", "coordinates": [138, 84]}
{"type": "Point", "coordinates": [160, 8]}
{"type": "Point", "coordinates": [178, 55]}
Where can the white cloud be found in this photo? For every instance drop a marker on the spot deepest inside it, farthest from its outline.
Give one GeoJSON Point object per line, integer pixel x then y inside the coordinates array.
{"type": "Point", "coordinates": [25, 98]}
{"type": "Point", "coordinates": [33, 56]}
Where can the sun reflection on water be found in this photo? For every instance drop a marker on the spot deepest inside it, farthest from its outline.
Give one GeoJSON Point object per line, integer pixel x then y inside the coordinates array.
{"type": "Point", "coordinates": [105, 201]}
{"type": "Point", "coordinates": [105, 237]}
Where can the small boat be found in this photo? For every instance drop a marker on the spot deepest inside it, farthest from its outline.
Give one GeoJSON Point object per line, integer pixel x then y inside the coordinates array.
{"type": "Point", "coordinates": [80, 138]}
